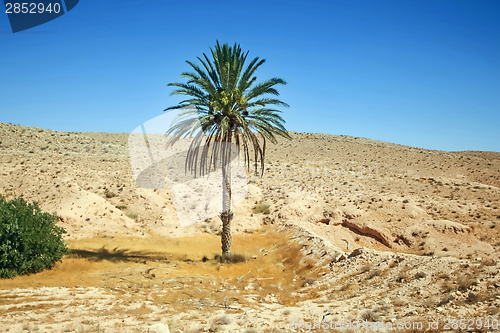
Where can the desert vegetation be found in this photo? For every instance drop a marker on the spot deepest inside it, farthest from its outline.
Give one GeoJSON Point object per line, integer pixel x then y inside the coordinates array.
{"type": "Point", "coordinates": [30, 240]}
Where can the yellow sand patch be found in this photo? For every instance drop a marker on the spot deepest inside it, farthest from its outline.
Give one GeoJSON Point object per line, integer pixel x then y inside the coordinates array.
{"type": "Point", "coordinates": [166, 270]}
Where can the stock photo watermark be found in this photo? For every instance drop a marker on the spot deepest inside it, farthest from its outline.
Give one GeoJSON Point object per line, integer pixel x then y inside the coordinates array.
{"type": "Point", "coordinates": [157, 163]}
{"type": "Point", "coordinates": [446, 324]}
{"type": "Point", "coordinates": [25, 14]}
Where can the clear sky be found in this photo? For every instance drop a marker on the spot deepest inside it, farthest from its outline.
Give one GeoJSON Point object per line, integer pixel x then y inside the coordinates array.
{"type": "Point", "coordinates": [418, 73]}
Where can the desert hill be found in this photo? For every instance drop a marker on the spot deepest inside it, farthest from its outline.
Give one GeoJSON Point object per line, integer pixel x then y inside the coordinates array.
{"type": "Point", "coordinates": [86, 178]}
{"type": "Point", "coordinates": [385, 231]}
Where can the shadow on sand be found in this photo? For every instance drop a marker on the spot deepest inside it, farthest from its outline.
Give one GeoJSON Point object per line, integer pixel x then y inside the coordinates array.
{"type": "Point", "coordinates": [119, 255]}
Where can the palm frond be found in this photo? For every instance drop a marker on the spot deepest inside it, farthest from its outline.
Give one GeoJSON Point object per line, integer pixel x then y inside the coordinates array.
{"type": "Point", "coordinates": [230, 108]}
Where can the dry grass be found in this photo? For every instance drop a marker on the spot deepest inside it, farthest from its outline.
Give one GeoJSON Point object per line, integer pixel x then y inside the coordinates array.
{"type": "Point", "coordinates": [132, 215]}
{"type": "Point", "coordinates": [141, 265]}
{"type": "Point", "coordinates": [487, 262]}
{"type": "Point", "coordinates": [261, 208]}
{"type": "Point", "coordinates": [466, 281]}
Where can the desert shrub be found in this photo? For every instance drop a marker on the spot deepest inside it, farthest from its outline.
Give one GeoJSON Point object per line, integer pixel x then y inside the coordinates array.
{"type": "Point", "coordinates": [261, 208]}
{"type": "Point", "coordinates": [373, 274]}
{"type": "Point", "coordinates": [465, 282]}
{"type": "Point", "coordinates": [488, 262]}
{"type": "Point", "coordinates": [29, 239]}
{"type": "Point", "coordinates": [446, 298]}
{"type": "Point", "coordinates": [110, 194]}
{"type": "Point", "coordinates": [370, 315]}
{"type": "Point", "coordinates": [132, 215]}
{"type": "Point", "coordinates": [308, 281]}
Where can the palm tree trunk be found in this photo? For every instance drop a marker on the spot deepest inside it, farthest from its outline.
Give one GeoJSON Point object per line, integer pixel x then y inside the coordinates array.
{"type": "Point", "coordinates": [226, 215]}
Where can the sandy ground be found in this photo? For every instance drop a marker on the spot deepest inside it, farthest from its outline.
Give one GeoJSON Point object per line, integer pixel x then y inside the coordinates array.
{"type": "Point", "coordinates": [357, 230]}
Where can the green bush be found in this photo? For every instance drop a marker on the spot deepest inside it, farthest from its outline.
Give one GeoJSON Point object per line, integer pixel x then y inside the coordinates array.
{"type": "Point", "coordinates": [29, 239]}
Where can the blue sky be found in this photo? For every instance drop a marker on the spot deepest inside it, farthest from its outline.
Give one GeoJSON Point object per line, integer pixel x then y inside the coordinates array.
{"type": "Point", "coordinates": [418, 73]}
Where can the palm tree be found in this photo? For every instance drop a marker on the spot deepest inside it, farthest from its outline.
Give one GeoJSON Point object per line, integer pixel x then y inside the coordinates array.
{"type": "Point", "coordinates": [231, 111]}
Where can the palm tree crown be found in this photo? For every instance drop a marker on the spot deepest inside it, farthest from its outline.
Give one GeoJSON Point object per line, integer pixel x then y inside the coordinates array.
{"type": "Point", "coordinates": [230, 107]}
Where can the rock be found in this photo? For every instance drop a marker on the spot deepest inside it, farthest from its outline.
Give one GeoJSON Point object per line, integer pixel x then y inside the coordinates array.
{"type": "Point", "coordinates": [446, 226]}
{"type": "Point", "coordinates": [369, 230]}
{"type": "Point", "coordinates": [158, 328]}
{"type": "Point", "coordinates": [416, 212]}
{"type": "Point", "coordinates": [357, 252]}
{"type": "Point", "coordinates": [338, 256]}
{"type": "Point", "coordinates": [404, 239]}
